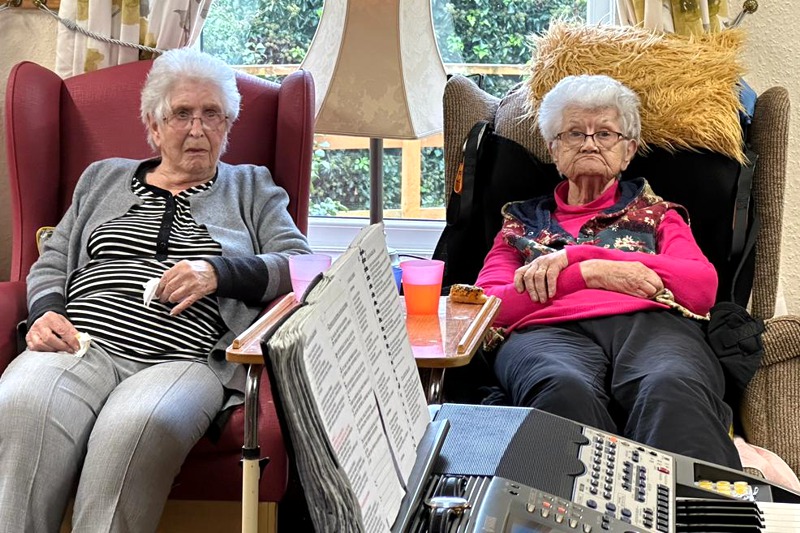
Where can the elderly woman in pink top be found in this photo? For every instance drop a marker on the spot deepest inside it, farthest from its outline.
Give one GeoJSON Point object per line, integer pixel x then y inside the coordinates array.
{"type": "Point", "coordinates": [604, 288]}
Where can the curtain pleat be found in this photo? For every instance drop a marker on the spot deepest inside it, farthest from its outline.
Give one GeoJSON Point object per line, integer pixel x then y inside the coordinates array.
{"type": "Point", "coordinates": [684, 17]}
{"type": "Point", "coordinates": [162, 24]}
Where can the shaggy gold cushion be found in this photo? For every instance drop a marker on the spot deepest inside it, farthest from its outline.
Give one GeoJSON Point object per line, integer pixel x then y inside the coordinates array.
{"type": "Point", "coordinates": [687, 85]}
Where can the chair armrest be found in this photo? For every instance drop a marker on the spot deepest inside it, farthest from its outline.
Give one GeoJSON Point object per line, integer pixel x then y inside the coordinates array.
{"type": "Point", "coordinates": [770, 403]}
{"type": "Point", "coordinates": [781, 339]}
{"type": "Point", "coordinates": [769, 137]}
{"type": "Point", "coordinates": [203, 459]}
{"type": "Point", "coordinates": [13, 309]}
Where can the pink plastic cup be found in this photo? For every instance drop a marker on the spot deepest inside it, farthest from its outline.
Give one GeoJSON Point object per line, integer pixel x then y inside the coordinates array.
{"type": "Point", "coordinates": [304, 268]}
{"type": "Point", "coordinates": [422, 285]}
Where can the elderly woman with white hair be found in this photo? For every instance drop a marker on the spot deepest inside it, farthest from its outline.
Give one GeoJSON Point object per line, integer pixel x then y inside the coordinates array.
{"type": "Point", "coordinates": [119, 419]}
{"type": "Point", "coordinates": [603, 289]}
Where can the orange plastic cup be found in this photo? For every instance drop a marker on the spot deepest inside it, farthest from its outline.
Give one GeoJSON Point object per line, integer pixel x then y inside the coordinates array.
{"type": "Point", "coordinates": [422, 285]}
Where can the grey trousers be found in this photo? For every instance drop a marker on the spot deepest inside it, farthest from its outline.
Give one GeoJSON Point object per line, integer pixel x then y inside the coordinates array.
{"type": "Point", "coordinates": [120, 429]}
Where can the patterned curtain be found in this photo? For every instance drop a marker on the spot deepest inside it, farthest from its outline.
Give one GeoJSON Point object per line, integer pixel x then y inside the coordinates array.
{"type": "Point", "coordinates": [161, 24]}
{"type": "Point", "coordinates": [684, 17]}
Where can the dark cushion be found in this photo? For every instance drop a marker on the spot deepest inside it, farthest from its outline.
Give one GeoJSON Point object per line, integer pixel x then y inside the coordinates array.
{"type": "Point", "coordinates": [505, 172]}
{"type": "Point", "coordinates": [705, 183]}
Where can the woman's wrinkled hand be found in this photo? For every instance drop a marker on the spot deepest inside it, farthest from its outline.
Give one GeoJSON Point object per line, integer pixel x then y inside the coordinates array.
{"type": "Point", "coordinates": [186, 283]}
{"type": "Point", "coordinates": [627, 277]}
{"type": "Point", "coordinates": [539, 277]}
{"type": "Point", "coordinates": [52, 332]}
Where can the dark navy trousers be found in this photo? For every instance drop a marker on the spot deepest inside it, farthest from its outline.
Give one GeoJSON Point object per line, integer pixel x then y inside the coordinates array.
{"type": "Point", "coordinates": [648, 376]}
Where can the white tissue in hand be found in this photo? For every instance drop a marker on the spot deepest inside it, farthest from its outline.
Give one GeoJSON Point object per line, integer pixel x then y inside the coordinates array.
{"type": "Point", "coordinates": [150, 290]}
{"type": "Point", "coordinates": [85, 340]}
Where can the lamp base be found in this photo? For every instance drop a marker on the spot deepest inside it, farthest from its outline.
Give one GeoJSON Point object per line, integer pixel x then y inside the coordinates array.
{"type": "Point", "coordinates": [375, 180]}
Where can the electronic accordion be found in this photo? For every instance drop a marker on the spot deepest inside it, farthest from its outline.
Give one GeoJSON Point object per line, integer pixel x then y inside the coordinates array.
{"type": "Point", "coordinates": [495, 469]}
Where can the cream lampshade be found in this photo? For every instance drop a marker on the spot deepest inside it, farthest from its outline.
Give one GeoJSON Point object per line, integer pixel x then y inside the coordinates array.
{"type": "Point", "coordinates": [378, 74]}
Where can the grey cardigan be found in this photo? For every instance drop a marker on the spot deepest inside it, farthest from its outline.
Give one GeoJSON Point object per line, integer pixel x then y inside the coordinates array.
{"type": "Point", "coordinates": [244, 211]}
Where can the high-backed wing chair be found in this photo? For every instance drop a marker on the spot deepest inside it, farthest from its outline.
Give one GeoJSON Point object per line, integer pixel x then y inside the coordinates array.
{"type": "Point", "coordinates": [56, 128]}
{"type": "Point", "coordinates": [770, 404]}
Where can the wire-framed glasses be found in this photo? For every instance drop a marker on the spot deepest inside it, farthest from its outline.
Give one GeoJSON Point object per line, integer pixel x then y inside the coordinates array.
{"type": "Point", "coordinates": [605, 139]}
{"type": "Point", "coordinates": [210, 119]}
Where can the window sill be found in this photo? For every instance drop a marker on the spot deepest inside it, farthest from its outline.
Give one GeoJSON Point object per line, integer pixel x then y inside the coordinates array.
{"type": "Point", "coordinates": [331, 235]}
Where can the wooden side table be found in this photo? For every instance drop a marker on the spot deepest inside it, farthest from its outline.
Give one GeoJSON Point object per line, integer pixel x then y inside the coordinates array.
{"type": "Point", "coordinates": [448, 340]}
{"type": "Point", "coordinates": [441, 341]}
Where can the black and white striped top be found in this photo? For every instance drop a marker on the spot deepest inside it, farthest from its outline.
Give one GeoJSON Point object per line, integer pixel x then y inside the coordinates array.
{"type": "Point", "coordinates": [105, 297]}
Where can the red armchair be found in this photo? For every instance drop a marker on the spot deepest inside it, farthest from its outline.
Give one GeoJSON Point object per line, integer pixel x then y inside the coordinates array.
{"type": "Point", "coordinates": [55, 128]}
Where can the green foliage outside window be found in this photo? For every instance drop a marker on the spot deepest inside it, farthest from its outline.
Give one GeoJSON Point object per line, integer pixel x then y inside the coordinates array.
{"type": "Point", "coordinates": [261, 32]}
{"type": "Point", "coordinates": [253, 32]}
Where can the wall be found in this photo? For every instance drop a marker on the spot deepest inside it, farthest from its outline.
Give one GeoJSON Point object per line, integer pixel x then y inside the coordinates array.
{"type": "Point", "coordinates": [25, 34]}
{"type": "Point", "coordinates": [772, 58]}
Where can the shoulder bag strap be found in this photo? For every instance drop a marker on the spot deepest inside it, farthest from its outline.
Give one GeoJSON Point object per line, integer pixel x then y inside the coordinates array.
{"type": "Point", "coordinates": [740, 215]}
{"type": "Point", "coordinates": [471, 149]}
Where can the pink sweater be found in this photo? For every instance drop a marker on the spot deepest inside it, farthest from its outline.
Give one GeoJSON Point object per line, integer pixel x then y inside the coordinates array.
{"type": "Point", "coordinates": [679, 262]}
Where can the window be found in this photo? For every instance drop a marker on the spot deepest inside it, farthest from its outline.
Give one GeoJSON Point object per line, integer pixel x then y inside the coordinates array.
{"type": "Point", "coordinates": [485, 38]}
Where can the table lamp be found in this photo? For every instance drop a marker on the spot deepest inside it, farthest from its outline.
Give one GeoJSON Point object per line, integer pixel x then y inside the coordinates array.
{"type": "Point", "coordinates": [378, 74]}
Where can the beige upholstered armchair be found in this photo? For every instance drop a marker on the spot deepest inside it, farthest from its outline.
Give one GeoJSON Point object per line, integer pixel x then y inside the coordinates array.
{"type": "Point", "coordinates": [770, 407]}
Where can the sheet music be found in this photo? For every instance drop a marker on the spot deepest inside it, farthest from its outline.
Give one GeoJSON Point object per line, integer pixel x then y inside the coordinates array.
{"type": "Point", "coordinates": [382, 331]}
{"type": "Point", "coordinates": [340, 372]}
{"type": "Point", "coordinates": [373, 242]}
{"type": "Point", "coordinates": [359, 392]}
{"type": "Point", "coordinates": [324, 479]}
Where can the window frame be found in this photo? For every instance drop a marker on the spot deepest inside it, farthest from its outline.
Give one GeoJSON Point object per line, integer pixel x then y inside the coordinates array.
{"type": "Point", "coordinates": [602, 12]}
{"type": "Point", "coordinates": [332, 235]}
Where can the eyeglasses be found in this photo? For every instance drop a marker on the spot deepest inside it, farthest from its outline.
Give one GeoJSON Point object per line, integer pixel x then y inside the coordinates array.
{"type": "Point", "coordinates": [603, 139]}
{"type": "Point", "coordinates": [210, 119]}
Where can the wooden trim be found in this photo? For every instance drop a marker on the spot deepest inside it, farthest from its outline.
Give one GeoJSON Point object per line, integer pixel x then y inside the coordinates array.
{"type": "Point", "coordinates": [478, 327]}
{"type": "Point", "coordinates": [410, 179]}
{"type": "Point", "coordinates": [246, 348]}
{"type": "Point", "coordinates": [410, 169]}
{"type": "Point", "coordinates": [34, 4]}
{"type": "Point", "coordinates": [346, 142]}
{"type": "Point", "coordinates": [425, 213]}
{"type": "Point", "coordinates": [450, 68]}
{"type": "Point", "coordinates": [207, 516]}
{"type": "Point", "coordinates": [185, 516]}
